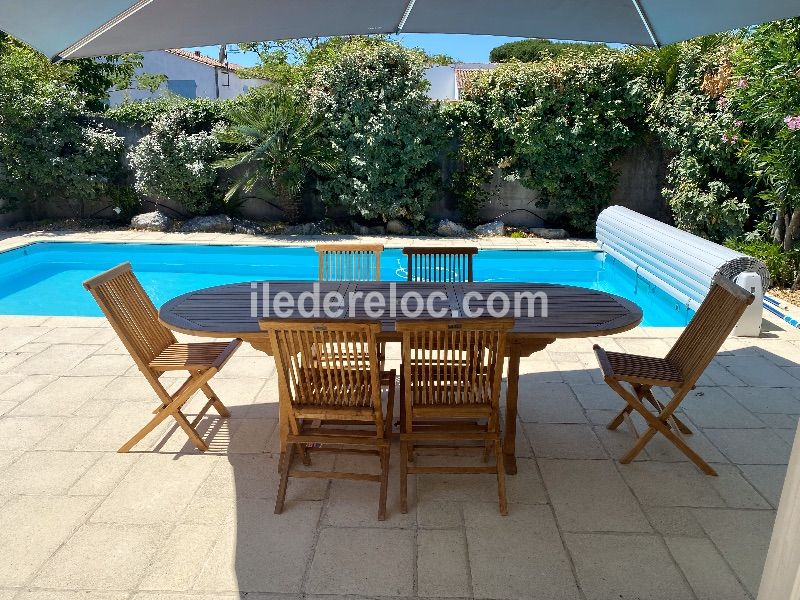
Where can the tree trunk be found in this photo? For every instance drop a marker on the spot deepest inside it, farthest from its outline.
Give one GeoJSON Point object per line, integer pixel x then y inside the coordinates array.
{"type": "Point", "coordinates": [791, 230]}
{"type": "Point", "coordinates": [778, 227]}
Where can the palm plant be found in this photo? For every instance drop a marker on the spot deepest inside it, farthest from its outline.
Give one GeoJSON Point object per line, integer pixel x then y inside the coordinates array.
{"type": "Point", "coordinates": [275, 142]}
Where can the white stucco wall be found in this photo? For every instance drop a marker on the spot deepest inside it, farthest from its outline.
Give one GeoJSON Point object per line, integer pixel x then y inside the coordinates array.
{"type": "Point", "coordinates": [209, 81]}
{"type": "Point", "coordinates": [442, 81]}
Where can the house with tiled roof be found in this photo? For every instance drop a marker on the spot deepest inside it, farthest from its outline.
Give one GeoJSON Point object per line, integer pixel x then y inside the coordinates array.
{"type": "Point", "coordinates": [189, 74]}
{"type": "Point", "coordinates": [448, 82]}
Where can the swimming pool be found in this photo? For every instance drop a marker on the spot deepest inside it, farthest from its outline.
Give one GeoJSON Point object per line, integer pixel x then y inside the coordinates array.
{"type": "Point", "coordinates": [46, 278]}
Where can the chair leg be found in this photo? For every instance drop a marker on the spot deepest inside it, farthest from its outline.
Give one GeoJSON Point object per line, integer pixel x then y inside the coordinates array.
{"type": "Point", "coordinates": [638, 446]}
{"type": "Point", "coordinates": [408, 456]}
{"type": "Point", "coordinates": [215, 401]}
{"type": "Point", "coordinates": [305, 455]}
{"type": "Point", "coordinates": [487, 450]}
{"type": "Point", "coordinates": [657, 424]}
{"type": "Point", "coordinates": [286, 463]}
{"type": "Point", "coordinates": [403, 477]}
{"type": "Point", "coordinates": [620, 418]}
{"type": "Point", "coordinates": [384, 483]}
{"type": "Point", "coordinates": [501, 478]}
{"type": "Point", "coordinates": [160, 416]}
{"type": "Point", "coordinates": [682, 427]}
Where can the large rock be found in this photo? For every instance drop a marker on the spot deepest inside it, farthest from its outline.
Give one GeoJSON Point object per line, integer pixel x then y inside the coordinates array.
{"type": "Point", "coordinates": [248, 227]}
{"type": "Point", "coordinates": [152, 221]}
{"type": "Point", "coordinates": [398, 227]}
{"type": "Point", "coordinates": [548, 233]}
{"type": "Point", "coordinates": [209, 224]}
{"type": "Point", "coordinates": [493, 229]}
{"type": "Point", "coordinates": [304, 229]}
{"type": "Point", "coordinates": [447, 228]}
{"type": "Point", "coordinates": [360, 229]}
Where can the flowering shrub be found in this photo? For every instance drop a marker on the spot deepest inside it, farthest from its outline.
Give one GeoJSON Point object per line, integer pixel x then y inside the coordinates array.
{"type": "Point", "coordinates": [474, 154]}
{"type": "Point", "coordinates": [707, 188]}
{"type": "Point", "coordinates": [559, 125]}
{"type": "Point", "coordinates": [766, 103]}
{"type": "Point", "coordinates": [384, 133]}
{"type": "Point", "coordinates": [48, 149]}
{"type": "Point", "coordinates": [204, 113]}
{"type": "Point", "coordinates": [175, 161]}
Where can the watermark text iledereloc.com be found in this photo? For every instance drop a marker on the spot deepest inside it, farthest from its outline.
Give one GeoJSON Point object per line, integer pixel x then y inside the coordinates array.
{"type": "Point", "coordinates": [404, 302]}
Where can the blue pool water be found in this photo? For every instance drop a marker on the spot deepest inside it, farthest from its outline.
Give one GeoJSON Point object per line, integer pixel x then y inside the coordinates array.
{"type": "Point", "coordinates": [45, 278]}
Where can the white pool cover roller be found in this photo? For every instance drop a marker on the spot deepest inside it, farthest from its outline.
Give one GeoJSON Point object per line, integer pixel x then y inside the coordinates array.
{"type": "Point", "coordinates": [681, 264]}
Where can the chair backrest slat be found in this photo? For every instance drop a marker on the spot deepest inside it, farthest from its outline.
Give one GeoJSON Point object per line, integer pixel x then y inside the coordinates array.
{"type": "Point", "coordinates": [454, 362]}
{"type": "Point", "coordinates": [131, 313]}
{"type": "Point", "coordinates": [327, 364]}
{"type": "Point", "coordinates": [349, 262]}
{"type": "Point", "coordinates": [437, 264]}
{"type": "Point", "coordinates": [712, 323]}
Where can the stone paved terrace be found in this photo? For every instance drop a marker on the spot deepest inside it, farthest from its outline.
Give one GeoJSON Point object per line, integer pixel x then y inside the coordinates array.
{"type": "Point", "coordinates": [166, 522]}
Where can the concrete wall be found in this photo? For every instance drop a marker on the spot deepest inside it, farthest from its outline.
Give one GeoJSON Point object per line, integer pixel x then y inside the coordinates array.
{"type": "Point", "coordinates": [642, 176]}
{"type": "Point", "coordinates": [208, 81]}
{"type": "Point", "coordinates": [642, 172]}
{"type": "Point", "coordinates": [442, 80]}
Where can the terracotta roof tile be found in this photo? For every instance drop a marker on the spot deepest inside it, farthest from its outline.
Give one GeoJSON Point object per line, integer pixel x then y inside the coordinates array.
{"type": "Point", "coordinates": [206, 60]}
{"type": "Point", "coordinates": [465, 72]}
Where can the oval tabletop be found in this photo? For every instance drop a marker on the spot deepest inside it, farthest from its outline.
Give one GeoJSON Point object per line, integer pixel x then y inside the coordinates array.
{"type": "Point", "coordinates": [234, 310]}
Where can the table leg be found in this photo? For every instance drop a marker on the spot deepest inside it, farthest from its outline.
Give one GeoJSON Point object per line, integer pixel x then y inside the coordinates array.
{"type": "Point", "coordinates": [512, 391]}
{"type": "Point", "coordinates": [261, 344]}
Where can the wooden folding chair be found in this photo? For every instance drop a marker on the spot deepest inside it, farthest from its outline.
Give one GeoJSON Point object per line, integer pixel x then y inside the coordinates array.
{"type": "Point", "coordinates": [679, 370]}
{"type": "Point", "coordinates": [440, 264]}
{"type": "Point", "coordinates": [450, 381]}
{"type": "Point", "coordinates": [349, 262]}
{"type": "Point", "coordinates": [155, 350]}
{"type": "Point", "coordinates": [330, 390]}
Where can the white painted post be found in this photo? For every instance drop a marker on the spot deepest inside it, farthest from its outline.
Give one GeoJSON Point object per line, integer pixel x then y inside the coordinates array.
{"type": "Point", "coordinates": [781, 578]}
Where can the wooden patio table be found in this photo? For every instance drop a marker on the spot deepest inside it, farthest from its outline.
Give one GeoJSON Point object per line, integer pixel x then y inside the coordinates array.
{"type": "Point", "coordinates": [572, 312]}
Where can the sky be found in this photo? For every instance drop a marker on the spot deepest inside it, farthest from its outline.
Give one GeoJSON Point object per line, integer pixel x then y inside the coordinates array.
{"type": "Point", "coordinates": [464, 48]}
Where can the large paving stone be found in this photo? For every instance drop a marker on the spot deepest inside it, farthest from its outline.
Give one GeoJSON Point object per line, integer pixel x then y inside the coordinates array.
{"type": "Point", "coordinates": [742, 536]}
{"type": "Point", "coordinates": [768, 399]}
{"type": "Point", "coordinates": [33, 528]}
{"type": "Point", "coordinates": [625, 566]}
{"type": "Point", "coordinates": [549, 403]}
{"type": "Point", "coordinates": [261, 552]}
{"type": "Point", "coordinates": [58, 359]}
{"type": "Point", "coordinates": [520, 556]}
{"type": "Point", "coordinates": [590, 495]}
{"type": "Point", "coordinates": [556, 440]}
{"type": "Point", "coordinates": [712, 407]}
{"type": "Point", "coordinates": [61, 397]}
{"type": "Point", "coordinates": [750, 446]}
{"type": "Point", "coordinates": [705, 569]}
{"type": "Point", "coordinates": [23, 433]}
{"type": "Point", "coordinates": [180, 558]}
{"type": "Point", "coordinates": [442, 564]}
{"type": "Point", "coordinates": [768, 480]}
{"type": "Point", "coordinates": [365, 562]}
{"type": "Point", "coordinates": [102, 557]}
{"type": "Point", "coordinates": [155, 490]}
{"type": "Point", "coordinates": [758, 371]}
{"type": "Point", "coordinates": [670, 484]}
{"type": "Point", "coordinates": [44, 472]}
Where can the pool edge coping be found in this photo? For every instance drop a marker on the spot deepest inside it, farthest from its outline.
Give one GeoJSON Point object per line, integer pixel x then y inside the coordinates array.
{"type": "Point", "coordinates": [14, 242]}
